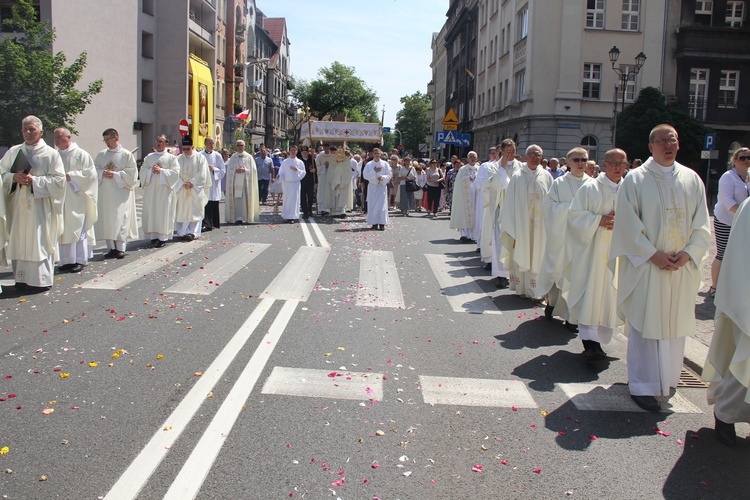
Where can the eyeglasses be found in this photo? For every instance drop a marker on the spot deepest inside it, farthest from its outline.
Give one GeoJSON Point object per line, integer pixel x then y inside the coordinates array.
{"type": "Point", "coordinates": [617, 163]}
{"type": "Point", "coordinates": [578, 160]}
{"type": "Point", "coordinates": [663, 142]}
{"type": "Point", "coordinates": [534, 153]}
{"type": "Point", "coordinates": [743, 158]}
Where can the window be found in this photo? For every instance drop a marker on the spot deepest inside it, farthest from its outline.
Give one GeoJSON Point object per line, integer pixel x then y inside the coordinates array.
{"type": "Point", "coordinates": [704, 12]}
{"type": "Point", "coordinates": [523, 23]}
{"type": "Point", "coordinates": [590, 143]}
{"type": "Point", "coordinates": [735, 14]}
{"type": "Point", "coordinates": [592, 80]}
{"type": "Point", "coordinates": [147, 45]}
{"type": "Point", "coordinates": [595, 14]}
{"type": "Point", "coordinates": [500, 100]}
{"type": "Point", "coordinates": [520, 85]}
{"type": "Point", "coordinates": [728, 85]}
{"type": "Point", "coordinates": [630, 14]}
{"type": "Point", "coordinates": [148, 7]}
{"type": "Point", "coordinates": [505, 95]}
{"type": "Point", "coordinates": [147, 91]}
{"type": "Point", "coordinates": [698, 93]}
{"type": "Point", "coordinates": [629, 85]}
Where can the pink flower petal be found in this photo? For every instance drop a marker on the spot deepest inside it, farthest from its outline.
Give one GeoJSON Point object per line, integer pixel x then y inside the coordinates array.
{"type": "Point", "coordinates": [477, 468]}
{"type": "Point", "coordinates": [538, 470]}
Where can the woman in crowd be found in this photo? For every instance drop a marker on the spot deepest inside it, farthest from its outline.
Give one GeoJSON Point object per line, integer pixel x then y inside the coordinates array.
{"type": "Point", "coordinates": [406, 198]}
{"type": "Point", "coordinates": [421, 182]}
{"type": "Point", "coordinates": [434, 176]}
{"type": "Point", "coordinates": [733, 189]}
{"type": "Point", "coordinates": [450, 175]}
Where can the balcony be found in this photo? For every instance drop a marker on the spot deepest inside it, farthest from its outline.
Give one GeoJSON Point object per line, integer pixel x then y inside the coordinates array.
{"type": "Point", "coordinates": [715, 43]}
{"type": "Point", "coordinates": [239, 74]}
{"type": "Point", "coordinates": [239, 33]}
{"type": "Point", "coordinates": [205, 33]}
{"type": "Point", "coordinates": [715, 109]}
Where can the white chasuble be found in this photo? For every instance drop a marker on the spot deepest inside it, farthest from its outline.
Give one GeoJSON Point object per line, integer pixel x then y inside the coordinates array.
{"type": "Point", "coordinates": [191, 201]}
{"type": "Point", "coordinates": [667, 212]}
{"type": "Point", "coordinates": [242, 201]}
{"type": "Point", "coordinates": [464, 199]}
{"type": "Point", "coordinates": [81, 193]}
{"type": "Point", "coordinates": [117, 219]}
{"type": "Point", "coordinates": [339, 179]}
{"type": "Point", "coordinates": [159, 200]}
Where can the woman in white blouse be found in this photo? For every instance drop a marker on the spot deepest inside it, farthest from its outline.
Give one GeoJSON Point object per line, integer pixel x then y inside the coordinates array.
{"type": "Point", "coordinates": [733, 189]}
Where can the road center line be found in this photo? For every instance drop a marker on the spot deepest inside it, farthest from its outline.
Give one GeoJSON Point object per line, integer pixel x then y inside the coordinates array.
{"type": "Point", "coordinates": [194, 472]}
{"type": "Point", "coordinates": [323, 241]}
{"type": "Point", "coordinates": [308, 237]}
{"type": "Point", "coordinates": [378, 280]}
{"type": "Point", "coordinates": [140, 470]}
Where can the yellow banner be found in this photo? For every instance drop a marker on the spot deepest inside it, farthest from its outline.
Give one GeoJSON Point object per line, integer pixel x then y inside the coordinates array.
{"type": "Point", "coordinates": [202, 102]}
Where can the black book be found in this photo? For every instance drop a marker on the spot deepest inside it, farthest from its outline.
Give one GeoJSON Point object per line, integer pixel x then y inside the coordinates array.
{"type": "Point", "coordinates": [20, 164]}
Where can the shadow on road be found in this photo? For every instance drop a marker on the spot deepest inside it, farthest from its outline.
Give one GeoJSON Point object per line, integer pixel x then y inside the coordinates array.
{"type": "Point", "coordinates": [563, 367]}
{"type": "Point", "coordinates": [534, 334]}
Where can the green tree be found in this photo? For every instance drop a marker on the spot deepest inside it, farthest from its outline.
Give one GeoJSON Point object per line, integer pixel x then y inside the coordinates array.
{"type": "Point", "coordinates": [34, 81]}
{"type": "Point", "coordinates": [412, 120]}
{"type": "Point", "coordinates": [650, 110]}
{"type": "Point", "coordinates": [338, 90]}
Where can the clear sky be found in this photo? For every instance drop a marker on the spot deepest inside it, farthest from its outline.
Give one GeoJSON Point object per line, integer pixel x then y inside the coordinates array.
{"type": "Point", "coordinates": [388, 42]}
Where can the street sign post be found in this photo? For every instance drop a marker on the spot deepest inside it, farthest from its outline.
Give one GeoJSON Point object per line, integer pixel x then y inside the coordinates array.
{"type": "Point", "coordinates": [451, 137]}
{"type": "Point", "coordinates": [450, 122]}
{"type": "Point", "coordinates": [709, 142]}
{"type": "Point", "coordinates": [184, 127]}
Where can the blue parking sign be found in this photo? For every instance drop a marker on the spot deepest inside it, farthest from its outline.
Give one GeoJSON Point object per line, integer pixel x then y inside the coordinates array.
{"type": "Point", "coordinates": [709, 142]}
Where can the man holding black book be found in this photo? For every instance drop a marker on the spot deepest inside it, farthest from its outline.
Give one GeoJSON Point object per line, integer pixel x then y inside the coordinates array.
{"type": "Point", "coordinates": [34, 186]}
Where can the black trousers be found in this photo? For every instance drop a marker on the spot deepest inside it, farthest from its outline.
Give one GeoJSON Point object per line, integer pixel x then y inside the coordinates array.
{"type": "Point", "coordinates": [365, 184]}
{"type": "Point", "coordinates": [433, 198]}
{"type": "Point", "coordinates": [307, 199]}
{"type": "Point", "coordinates": [212, 219]}
{"type": "Point", "coordinates": [263, 189]}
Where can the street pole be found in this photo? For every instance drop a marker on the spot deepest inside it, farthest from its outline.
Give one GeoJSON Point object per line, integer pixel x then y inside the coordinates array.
{"type": "Point", "coordinates": [640, 59]}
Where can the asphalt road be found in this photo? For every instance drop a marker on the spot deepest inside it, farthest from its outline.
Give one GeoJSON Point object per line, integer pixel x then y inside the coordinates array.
{"type": "Point", "coordinates": [325, 360]}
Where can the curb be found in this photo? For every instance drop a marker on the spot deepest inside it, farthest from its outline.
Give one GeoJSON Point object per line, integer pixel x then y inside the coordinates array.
{"type": "Point", "coordinates": [695, 355]}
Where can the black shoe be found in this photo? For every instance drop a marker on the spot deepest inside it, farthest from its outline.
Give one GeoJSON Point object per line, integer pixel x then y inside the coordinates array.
{"type": "Point", "coordinates": [290, 221]}
{"type": "Point", "coordinates": [502, 283]}
{"type": "Point", "coordinates": [21, 287]}
{"type": "Point", "coordinates": [374, 227]}
{"type": "Point", "coordinates": [724, 432]}
{"type": "Point", "coordinates": [159, 244]}
{"type": "Point", "coordinates": [488, 266]}
{"type": "Point", "coordinates": [77, 268]}
{"type": "Point", "coordinates": [477, 250]}
{"type": "Point", "coordinates": [112, 254]}
{"type": "Point", "coordinates": [648, 403]}
{"type": "Point", "coordinates": [65, 268]}
{"type": "Point", "coordinates": [593, 351]}
{"type": "Point", "coordinates": [571, 326]}
{"type": "Point", "coordinates": [238, 223]}
{"type": "Point", "coordinates": [154, 241]}
{"type": "Point", "coordinates": [464, 239]}
{"type": "Point", "coordinates": [189, 237]}
{"type": "Point", "coordinates": [548, 312]}
{"type": "Point", "coordinates": [306, 216]}
{"type": "Point", "coordinates": [119, 254]}
{"type": "Point", "coordinates": [382, 227]}
{"type": "Point", "coordinates": [342, 216]}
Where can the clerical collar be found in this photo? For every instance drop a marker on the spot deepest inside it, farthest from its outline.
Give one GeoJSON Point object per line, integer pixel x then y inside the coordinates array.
{"type": "Point", "coordinates": [159, 153]}
{"type": "Point", "coordinates": [612, 184]}
{"type": "Point", "coordinates": [68, 149]}
{"type": "Point", "coordinates": [116, 150]}
{"type": "Point", "coordinates": [577, 179]}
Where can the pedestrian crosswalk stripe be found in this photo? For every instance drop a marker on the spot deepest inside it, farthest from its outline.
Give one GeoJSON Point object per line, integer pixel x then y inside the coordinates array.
{"type": "Point", "coordinates": [462, 292]}
{"type": "Point", "coordinates": [378, 280]}
{"type": "Point", "coordinates": [297, 280]}
{"type": "Point", "coordinates": [616, 397]}
{"type": "Point", "coordinates": [325, 384]}
{"type": "Point", "coordinates": [205, 281]}
{"type": "Point", "coordinates": [322, 239]}
{"type": "Point", "coordinates": [475, 392]}
{"type": "Point", "coordinates": [143, 266]}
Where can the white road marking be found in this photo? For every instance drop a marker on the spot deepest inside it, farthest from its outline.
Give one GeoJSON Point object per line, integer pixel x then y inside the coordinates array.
{"type": "Point", "coordinates": [298, 278]}
{"type": "Point", "coordinates": [378, 280]}
{"type": "Point", "coordinates": [309, 241]}
{"type": "Point", "coordinates": [143, 266]}
{"type": "Point", "coordinates": [140, 470]}
{"type": "Point", "coordinates": [194, 472]}
{"type": "Point", "coordinates": [205, 281]}
{"type": "Point", "coordinates": [475, 392]}
{"type": "Point", "coordinates": [325, 384]}
{"type": "Point", "coordinates": [323, 241]}
{"type": "Point", "coordinates": [592, 397]}
{"type": "Point", "coordinates": [459, 287]}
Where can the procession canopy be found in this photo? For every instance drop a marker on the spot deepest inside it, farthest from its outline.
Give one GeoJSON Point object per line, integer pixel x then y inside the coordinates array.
{"type": "Point", "coordinates": [314, 131]}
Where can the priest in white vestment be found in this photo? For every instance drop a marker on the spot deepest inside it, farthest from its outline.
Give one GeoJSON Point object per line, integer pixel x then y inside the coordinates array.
{"type": "Point", "coordinates": [555, 206]}
{"type": "Point", "coordinates": [322, 161]}
{"type": "Point", "coordinates": [159, 174]}
{"type": "Point", "coordinates": [522, 223]}
{"type": "Point", "coordinates": [463, 205]}
{"type": "Point", "coordinates": [118, 174]}
{"type": "Point", "coordinates": [378, 174]}
{"type": "Point", "coordinates": [34, 202]}
{"type": "Point", "coordinates": [494, 197]}
{"type": "Point", "coordinates": [242, 201]}
{"type": "Point", "coordinates": [339, 178]}
{"type": "Point", "coordinates": [191, 191]}
{"type": "Point", "coordinates": [727, 367]}
{"type": "Point", "coordinates": [484, 172]}
{"type": "Point", "coordinates": [291, 172]}
{"type": "Point", "coordinates": [217, 168]}
{"type": "Point", "coordinates": [590, 290]}
{"type": "Point", "coordinates": [79, 208]}
{"type": "Point", "coordinates": [661, 235]}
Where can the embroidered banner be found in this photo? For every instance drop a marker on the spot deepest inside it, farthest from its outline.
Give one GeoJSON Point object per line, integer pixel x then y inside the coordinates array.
{"type": "Point", "coordinates": [341, 131]}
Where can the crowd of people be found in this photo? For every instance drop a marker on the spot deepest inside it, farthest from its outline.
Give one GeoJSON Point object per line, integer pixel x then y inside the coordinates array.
{"type": "Point", "coordinates": [620, 248]}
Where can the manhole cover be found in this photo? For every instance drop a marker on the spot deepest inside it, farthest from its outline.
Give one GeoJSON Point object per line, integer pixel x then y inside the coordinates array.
{"type": "Point", "coordinates": [688, 378]}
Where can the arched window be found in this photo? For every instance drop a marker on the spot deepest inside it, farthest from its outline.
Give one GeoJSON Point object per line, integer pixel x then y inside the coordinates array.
{"type": "Point", "coordinates": [590, 143]}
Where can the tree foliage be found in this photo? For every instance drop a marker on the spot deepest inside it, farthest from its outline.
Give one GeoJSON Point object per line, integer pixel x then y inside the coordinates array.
{"type": "Point", "coordinates": [34, 81]}
{"type": "Point", "coordinates": [650, 110]}
{"type": "Point", "coordinates": [337, 90]}
{"type": "Point", "coordinates": [412, 120]}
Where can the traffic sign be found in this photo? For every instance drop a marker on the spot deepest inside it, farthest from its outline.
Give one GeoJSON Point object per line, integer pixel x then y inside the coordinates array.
{"type": "Point", "coordinates": [424, 148]}
{"type": "Point", "coordinates": [451, 137]}
{"type": "Point", "coordinates": [229, 126]}
{"type": "Point", "coordinates": [709, 154]}
{"type": "Point", "coordinates": [709, 141]}
{"type": "Point", "coordinates": [386, 130]}
{"type": "Point", "coordinates": [450, 122]}
{"type": "Point", "coordinates": [184, 127]}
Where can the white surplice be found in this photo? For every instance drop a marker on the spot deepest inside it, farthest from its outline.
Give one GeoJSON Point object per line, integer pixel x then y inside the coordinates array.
{"type": "Point", "coordinates": [377, 191]}
{"type": "Point", "coordinates": [79, 208]}
{"type": "Point", "coordinates": [494, 197]}
{"type": "Point", "coordinates": [242, 199]}
{"type": "Point", "coordinates": [34, 213]}
{"type": "Point", "coordinates": [464, 201]}
{"type": "Point", "coordinates": [291, 179]}
{"type": "Point", "coordinates": [522, 225]}
{"type": "Point", "coordinates": [339, 179]}
{"type": "Point", "coordinates": [117, 222]}
{"type": "Point", "coordinates": [484, 172]}
{"type": "Point", "coordinates": [159, 200]}
{"type": "Point", "coordinates": [658, 208]}
{"type": "Point", "coordinates": [191, 202]}
{"type": "Point", "coordinates": [322, 160]}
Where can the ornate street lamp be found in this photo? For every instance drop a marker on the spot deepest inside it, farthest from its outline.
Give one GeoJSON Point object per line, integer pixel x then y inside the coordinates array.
{"type": "Point", "coordinates": [625, 77]}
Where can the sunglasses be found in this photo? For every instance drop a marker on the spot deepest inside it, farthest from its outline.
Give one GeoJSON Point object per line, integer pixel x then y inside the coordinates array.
{"type": "Point", "coordinates": [578, 160]}
{"type": "Point", "coordinates": [743, 158]}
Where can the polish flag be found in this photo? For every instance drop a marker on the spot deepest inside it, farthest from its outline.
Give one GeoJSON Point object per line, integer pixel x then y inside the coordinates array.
{"type": "Point", "coordinates": [243, 117]}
